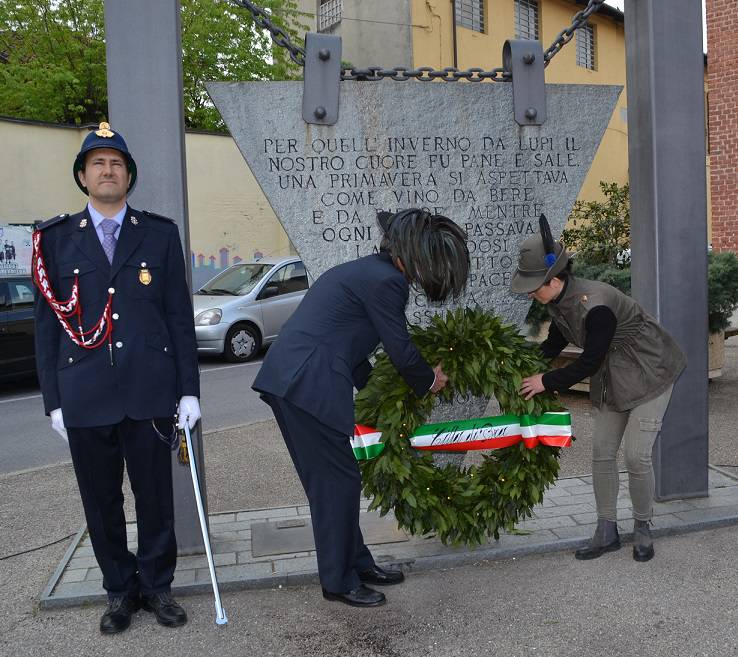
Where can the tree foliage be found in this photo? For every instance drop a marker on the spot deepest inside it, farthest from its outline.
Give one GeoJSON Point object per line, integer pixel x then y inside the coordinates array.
{"type": "Point", "coordinates": [52, 56]}
{"type": "Point", "coordinates": [600, 230]}
{"type": "Point", "coordinates": [52, 60]}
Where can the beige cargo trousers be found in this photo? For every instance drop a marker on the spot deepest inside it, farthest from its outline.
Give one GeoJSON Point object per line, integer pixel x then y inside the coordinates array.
{"type": "Point", "coordinates": [637, 429]}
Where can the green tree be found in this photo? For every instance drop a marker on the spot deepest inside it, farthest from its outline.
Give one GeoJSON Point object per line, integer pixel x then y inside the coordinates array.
{"type": "Point", "coordinates": [600, 230]}
{"type": "Point", "coordinates": [52, 56]}
{"type": "Point", "coordinates": [52, 60]}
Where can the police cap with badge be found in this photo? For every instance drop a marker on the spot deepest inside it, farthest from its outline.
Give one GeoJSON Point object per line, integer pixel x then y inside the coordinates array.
{"type": "Point", "coordinates": [103, 137]}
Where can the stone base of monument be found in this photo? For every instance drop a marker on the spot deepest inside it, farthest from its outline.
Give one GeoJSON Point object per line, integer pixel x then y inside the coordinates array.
{"type": "Point", "coordinates": [563, 521]}
{"type": "Point", "coordinates": [296, 535]}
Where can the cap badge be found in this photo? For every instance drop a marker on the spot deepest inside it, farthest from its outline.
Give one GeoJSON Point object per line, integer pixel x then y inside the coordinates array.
{"type": "Point", "coordinates": [104, 130]}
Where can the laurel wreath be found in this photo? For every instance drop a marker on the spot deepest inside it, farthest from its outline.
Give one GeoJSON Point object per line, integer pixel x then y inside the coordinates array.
{"type": "Point", "coordinates": [481, 356]}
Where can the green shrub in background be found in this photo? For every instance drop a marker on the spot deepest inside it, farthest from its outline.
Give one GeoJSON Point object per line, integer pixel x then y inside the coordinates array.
{"type": "Point", "coordinates": [722, 289]}
{"type": "Point", "coordinates": [599, 232]}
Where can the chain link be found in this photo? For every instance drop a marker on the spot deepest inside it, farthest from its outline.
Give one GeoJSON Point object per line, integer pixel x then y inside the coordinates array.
{"type": "Point", "coordinates": [279, 36]}
{"type": "Point", "coordinates": [568, 34]}
{"type": "Point", "coordinates": [422, 73]}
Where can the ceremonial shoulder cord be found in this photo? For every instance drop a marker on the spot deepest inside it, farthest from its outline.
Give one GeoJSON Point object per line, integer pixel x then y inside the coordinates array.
{"type": "Point", "coordinates": [91, 339]}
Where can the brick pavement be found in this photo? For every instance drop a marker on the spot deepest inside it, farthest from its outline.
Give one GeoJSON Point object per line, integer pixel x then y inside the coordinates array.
{"type": "Point", "coordinates": [563, 521]}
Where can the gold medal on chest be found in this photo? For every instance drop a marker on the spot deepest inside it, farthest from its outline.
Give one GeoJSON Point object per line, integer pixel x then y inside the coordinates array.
{"type": "Point", "coordinates": [144, 275]}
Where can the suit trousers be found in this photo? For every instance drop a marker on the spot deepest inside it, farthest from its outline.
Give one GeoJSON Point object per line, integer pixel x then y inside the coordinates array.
{"type": "Point", "coordinates": [331, 478]}
{"type": "Point", "coordinates": [98, 455]}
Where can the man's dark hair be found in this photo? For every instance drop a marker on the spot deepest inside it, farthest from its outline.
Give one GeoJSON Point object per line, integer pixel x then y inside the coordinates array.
{"type": "Point", "coordinates": [432, 249]}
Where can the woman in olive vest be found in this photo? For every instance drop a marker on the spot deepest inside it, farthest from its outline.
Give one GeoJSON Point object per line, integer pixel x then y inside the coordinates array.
{"type": "Point", "coordinates": [632, 363]}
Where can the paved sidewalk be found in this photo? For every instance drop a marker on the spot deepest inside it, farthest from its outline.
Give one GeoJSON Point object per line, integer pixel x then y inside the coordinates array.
{"type": "Point", "coordinates": [564, 520]}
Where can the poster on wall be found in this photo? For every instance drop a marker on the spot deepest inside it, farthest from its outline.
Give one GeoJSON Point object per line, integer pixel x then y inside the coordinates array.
{"type": "Point", "coordinates": [15, 250]}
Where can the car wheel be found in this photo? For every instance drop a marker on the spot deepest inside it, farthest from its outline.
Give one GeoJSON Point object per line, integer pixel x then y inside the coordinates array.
{"type": "Point", "coordinates": [242, 343]}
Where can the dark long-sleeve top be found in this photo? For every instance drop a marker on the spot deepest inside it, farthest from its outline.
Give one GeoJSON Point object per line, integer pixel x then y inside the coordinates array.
{"type": "Point", "coordinates": [600, 325]}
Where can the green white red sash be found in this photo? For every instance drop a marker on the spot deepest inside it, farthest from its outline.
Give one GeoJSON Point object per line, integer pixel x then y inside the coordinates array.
{"type": "Point", "coordinates": [552, 429]}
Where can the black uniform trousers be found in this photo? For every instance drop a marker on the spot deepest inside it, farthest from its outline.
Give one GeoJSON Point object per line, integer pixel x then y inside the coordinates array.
{"type": "Point", "coordinates": [98, 455]}
{"type": "Point", "coordinates": [331, 478]}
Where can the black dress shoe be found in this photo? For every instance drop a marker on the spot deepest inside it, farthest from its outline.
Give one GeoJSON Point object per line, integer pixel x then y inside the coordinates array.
{"type": "Point", "coordinates": [377, 575]}
{"type": "Point", "coordinates": [165, 608]}
{"type": "Point", "coordinates": [359, 597]}
{"type": "Point", "coordinates": [117, 616]}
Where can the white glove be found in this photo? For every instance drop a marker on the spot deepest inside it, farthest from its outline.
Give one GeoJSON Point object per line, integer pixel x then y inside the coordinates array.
{"type": "Point", "coordinates": [189, 411]}
{"type": "Point", "coordinates": [57, 423]}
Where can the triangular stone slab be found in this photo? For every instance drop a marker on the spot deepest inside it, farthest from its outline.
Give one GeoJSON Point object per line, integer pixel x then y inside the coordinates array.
{"type": "Point", "coordinates": [454, 149]}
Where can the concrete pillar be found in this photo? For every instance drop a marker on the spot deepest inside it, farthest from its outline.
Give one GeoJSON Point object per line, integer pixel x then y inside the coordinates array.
{"type": "Point", "coordinates": [144, 63]}
{"type": "Point", "coordinates": [666, 153]}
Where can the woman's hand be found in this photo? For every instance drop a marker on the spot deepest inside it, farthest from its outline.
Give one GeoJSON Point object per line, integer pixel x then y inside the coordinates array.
{"type": "Point", "coordinates": [531, 386]}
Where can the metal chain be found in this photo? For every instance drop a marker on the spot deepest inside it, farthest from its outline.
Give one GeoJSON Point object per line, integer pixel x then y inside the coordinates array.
{"type": "Point", "coordinates": [568, 34]}
{"type": "Point", "coordinates": [279, 36]}
{"type": "Point", "coordinates": [422, 73]}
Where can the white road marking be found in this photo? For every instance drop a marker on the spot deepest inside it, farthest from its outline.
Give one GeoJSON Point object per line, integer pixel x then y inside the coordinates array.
{"type": "Point", "coordinates": [218, 368]}
{"type": "Point", "coordinates": [15, 399]}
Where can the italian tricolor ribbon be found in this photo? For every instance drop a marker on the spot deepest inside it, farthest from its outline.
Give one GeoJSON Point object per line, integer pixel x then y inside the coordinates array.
{"type": "Point", "coordinates": [552, 429]}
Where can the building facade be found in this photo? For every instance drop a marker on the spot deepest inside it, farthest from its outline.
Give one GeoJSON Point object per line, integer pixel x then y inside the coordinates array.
{"type": "Point", "coordinates": [417, 33]}
{"type": "Point", "coordinates": [722, 77]}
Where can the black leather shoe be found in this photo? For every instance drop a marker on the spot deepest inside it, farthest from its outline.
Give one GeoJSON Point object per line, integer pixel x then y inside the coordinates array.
{"type": "Point", "coordinates": [593, 552]}
{"type": "Point", "coordinates": [165, 608]}
{"type": "Point", "coordinates": [643, 553]}
{"type": "Point", "coordinates": [605, 539]}
{"type": "Point", "coordinates": [359, 597]}
{"type": "Point", "coordinates": [642, 541]}
{"type": "Point", "coordinates": [380, 576]}
{"type": "Point", "coordinates": [117, 616]}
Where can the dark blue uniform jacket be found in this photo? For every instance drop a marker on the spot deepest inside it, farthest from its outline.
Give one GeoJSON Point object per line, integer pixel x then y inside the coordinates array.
{"type": "Point", "coordinates": [321, 353]}
{"type": "Point", "coordinates": [154, 349]}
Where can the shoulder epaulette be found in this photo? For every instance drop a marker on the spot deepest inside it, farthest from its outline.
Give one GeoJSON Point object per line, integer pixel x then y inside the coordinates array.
{"type": "Point", "coordinates": [153, 215]}
{"type": "Point", "coordinates": [42, 225]}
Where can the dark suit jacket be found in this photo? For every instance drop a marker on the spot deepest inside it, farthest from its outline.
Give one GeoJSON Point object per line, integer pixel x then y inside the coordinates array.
{"type": "Point", "coordinates": [321, 352]}
{"type": "Point", "coordinates": [154, 348]}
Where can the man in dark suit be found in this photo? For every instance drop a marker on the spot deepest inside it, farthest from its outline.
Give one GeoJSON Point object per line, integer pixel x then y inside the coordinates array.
{"type": "Point", "coordinates": [309, 373]}
{"type": "Point", "coordinates": [115, 352]}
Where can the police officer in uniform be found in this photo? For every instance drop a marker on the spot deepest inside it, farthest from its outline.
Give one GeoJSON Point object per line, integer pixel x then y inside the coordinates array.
{"type": "Point", "coordinates": [116, 358]}
{"type": "Point", "coordinates": [632, 363]}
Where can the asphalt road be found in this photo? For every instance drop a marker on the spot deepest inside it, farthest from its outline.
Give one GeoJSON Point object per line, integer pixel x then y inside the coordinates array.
{"type": "Point", "coordinates": [27, 440]}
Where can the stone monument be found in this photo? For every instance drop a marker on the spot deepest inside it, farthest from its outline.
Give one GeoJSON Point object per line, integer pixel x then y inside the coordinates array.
{"type": "Point", "coordinates": [455, 151]}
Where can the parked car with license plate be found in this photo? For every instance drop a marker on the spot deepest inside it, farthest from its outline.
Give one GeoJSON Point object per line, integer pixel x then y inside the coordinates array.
{"type": "Point", "coordinates": [17, 349]}
{"type": "Point", "coordinates": [244, 307]}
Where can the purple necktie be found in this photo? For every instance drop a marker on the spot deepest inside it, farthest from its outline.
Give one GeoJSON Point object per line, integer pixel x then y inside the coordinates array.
{"type": "Point", "coordinates": [109, 227]}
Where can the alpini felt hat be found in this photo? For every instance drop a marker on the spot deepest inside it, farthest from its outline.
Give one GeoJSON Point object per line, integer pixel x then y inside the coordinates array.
{"type": "Point", "coordinates": [103, 137]}
{"type": "Point", "coordinates": [540, 259]}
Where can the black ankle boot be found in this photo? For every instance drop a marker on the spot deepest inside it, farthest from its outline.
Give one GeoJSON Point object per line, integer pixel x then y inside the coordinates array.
{"type": "Point", "coordinates": [605, 539]}
{"type": "Point", "coordinates": [642, 541]}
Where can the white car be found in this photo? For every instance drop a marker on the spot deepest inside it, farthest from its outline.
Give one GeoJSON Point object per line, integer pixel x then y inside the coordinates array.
{"type": "Point", "coordinates": [244, 307]}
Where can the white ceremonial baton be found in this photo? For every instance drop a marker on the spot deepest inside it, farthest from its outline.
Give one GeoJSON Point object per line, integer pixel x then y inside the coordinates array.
{"type": "Point", "coordinates": [220, 616]}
